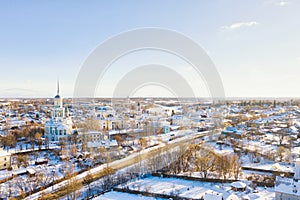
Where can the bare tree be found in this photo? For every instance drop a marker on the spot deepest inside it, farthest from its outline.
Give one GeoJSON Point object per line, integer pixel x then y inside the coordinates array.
{"type": "Point", "coordinates": [235, 165]}
{"type": "Point", "coordinates": [90, 124]}
{"type": "Point", "coordinates": [222, 166]}
{"type": "Point", "coordinates": [143, 142]}
{"type": "Point", "coordinates": [22, 160]}
{"type": "Point", "coordinates": [281, 151]}
{"type": "Point", "coordinates": [73, 185]}
{"type": "Point", "coordinates": [205, 161]}
{"type": "Point", "coordinates": [38, 138]}
{"type": "Point", "coordinates": [88, 179]}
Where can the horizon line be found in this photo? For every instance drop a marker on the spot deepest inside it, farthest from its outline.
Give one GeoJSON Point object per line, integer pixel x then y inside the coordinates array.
{"type": "Point", "coordinates": [161, 97]}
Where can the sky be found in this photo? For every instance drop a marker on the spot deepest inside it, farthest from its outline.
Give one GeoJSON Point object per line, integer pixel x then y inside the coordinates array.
{"type": "Point", "coordinates": [254, 44]}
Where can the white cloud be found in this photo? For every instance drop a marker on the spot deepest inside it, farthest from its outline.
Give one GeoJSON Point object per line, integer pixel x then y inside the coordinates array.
{"type": "Point", "coordinates": [239, 25]}
{"type": "Point", "coordinates": [279, 3]}
{"type": "Point", "coordinates": [282, 3]}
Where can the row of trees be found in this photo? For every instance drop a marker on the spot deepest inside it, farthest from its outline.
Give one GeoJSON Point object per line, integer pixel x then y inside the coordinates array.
{"type": "Point", "coordinates": [31, 135]}
{"type": "Point", "coordinates": [203, 159]}
{"type": "Point", "coordinates": [21, 186]}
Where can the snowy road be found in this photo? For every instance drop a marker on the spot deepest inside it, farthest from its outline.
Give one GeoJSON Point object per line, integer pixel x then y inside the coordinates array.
{"type": "Point", "coordinates": [122, 163]}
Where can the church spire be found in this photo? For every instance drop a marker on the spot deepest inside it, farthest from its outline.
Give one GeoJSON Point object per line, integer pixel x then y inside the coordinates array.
{"type": "Point", "coordinates": [57, 98]}
{"type": "Point", "coordinates": [57, 86]}
{"type": "Point", "coordinates": [57, 95]}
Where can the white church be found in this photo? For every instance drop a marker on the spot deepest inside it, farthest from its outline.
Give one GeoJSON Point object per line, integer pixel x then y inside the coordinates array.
{"type": "Point", "coordinates": [60, 124]}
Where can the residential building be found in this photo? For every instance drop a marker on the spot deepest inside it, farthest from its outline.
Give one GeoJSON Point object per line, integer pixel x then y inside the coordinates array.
{"type": "Point", "coordinates": [91, 136]}
{"type": "Point", "coordinates": [108, 119]}
{"type": "Point", "coordinates": [5, 159]}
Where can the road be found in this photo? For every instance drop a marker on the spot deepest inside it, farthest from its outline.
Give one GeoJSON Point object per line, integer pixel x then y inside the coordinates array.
{"type": "Point", "coordinates": [127, 161]}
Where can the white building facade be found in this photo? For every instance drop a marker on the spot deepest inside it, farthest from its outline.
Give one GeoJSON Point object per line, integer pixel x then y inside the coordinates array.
{"type": "Point", "coordinates": [5, 159]}
{"type": "Point", "coordinates": [107, 118]}
{"type": "Point", "coordinates": [60, 125]}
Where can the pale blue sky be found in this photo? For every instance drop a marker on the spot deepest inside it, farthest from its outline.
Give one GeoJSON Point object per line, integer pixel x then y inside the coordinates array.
{"type": "Point", "coordinates": [254, 44]}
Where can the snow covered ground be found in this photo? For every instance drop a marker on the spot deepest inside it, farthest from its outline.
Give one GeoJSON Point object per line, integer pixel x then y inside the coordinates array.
{"type": "Point", "coordinates": [116, 162]}
{"type": "Point", "coordinates": [121, 195]}
{"type": "Point", "coordinates": [45, 173]}
{"type": "Point", "coordinates": [272, 167]}
{"type": "Point", "coordinates": [194, 189]}
{"type": "Point", "coordinates": [23, 149]}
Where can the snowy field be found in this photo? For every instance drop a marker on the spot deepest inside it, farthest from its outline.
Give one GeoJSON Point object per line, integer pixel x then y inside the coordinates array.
{"type": "Point", "coordinates": [194, 189]}
{"type": "Point", "coordinates": [121, 195]}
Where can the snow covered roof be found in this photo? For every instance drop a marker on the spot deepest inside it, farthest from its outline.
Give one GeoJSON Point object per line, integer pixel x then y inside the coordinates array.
{"type": "Point", "coordinates": [62, 127]}
{"type": "Point", "coordinates": [287, 186]}
{"type": "Point", "coordinates": [214, 196]}
{"type": "Point", "coordinates": [31, 171]}
{"type": "Point", "coordinates": [174, 127]}
{"type": "Point", "coordinates": [238, 184]}
{"type": "Point", "coordinates": [4, 153]}
{"type": "Point", "coordinates": [232, 197]}
{"type": "Point", "coordinates": [107, 144]}
{"type": "Point", "coordinates": [294, 129]}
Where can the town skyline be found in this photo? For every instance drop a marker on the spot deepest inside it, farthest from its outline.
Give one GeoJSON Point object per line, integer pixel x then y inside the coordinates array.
{"type": "Point", "coordinates": [139, 99]}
